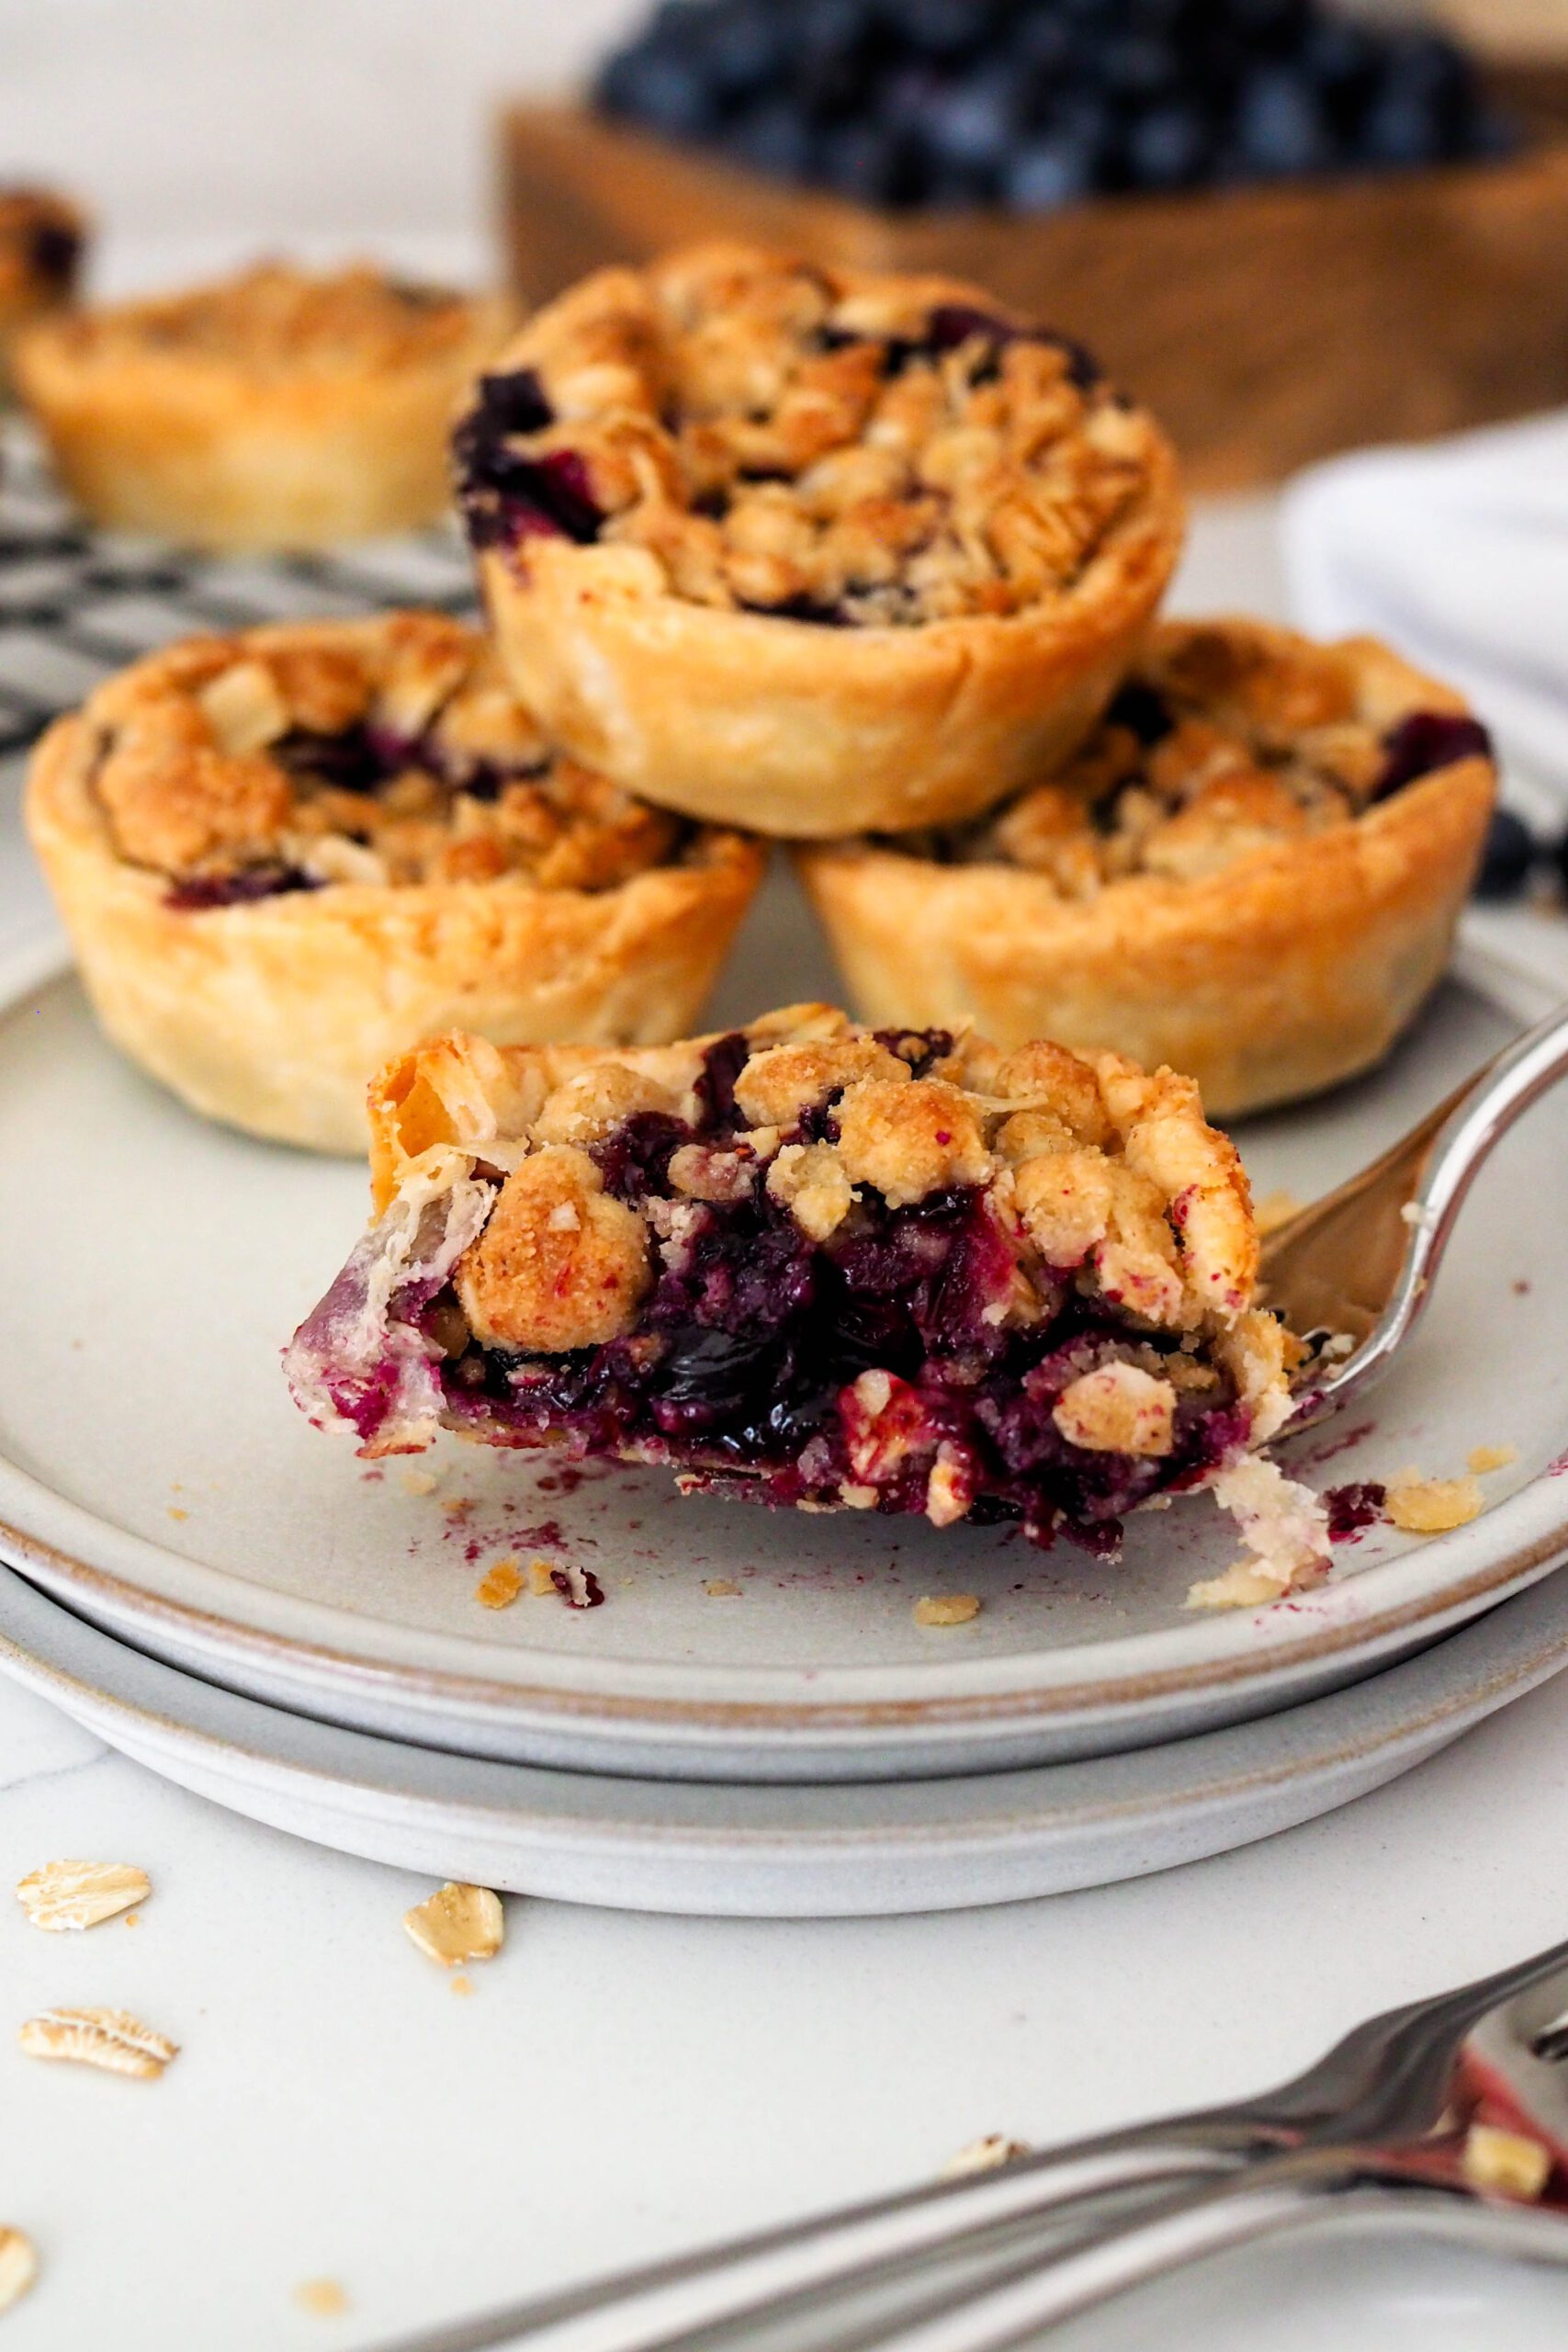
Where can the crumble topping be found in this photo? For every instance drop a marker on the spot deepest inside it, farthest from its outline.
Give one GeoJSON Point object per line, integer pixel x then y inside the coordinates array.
{"type": "Point", "coordinates": [824, 446]}
{"type": "Point", "coordinates": [277, 320]}
{"type": "Point", "coordinates": [1433, 1506]}
{"type": "Point", "coordinates": [986, 1287]}
{"type": "Point", "coordinates": [947, 1608]}
{"type": "Point", "coordinates": [389, 752]}
{"type": "Point", "coordinates": [1228, 739]}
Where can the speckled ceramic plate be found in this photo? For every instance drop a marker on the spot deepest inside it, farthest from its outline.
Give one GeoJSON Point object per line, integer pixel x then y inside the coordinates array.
{"type": "Point", "coordinates": [783, 1852]}
{"type": "Point", "coordinates": [154, 1471]}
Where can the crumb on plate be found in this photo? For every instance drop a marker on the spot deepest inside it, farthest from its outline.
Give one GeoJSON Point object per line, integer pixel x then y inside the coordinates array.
{"type": "Point", "coordinates": [947, 1608]}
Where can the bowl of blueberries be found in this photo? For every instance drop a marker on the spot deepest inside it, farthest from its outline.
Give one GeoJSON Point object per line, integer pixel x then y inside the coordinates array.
{"type": "Point", "coordinates": [1033, 105]}
{"type": "Point", "coordinates": [1289, 226]}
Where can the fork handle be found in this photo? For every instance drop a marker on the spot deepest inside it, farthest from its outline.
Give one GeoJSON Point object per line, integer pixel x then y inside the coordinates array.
{"type": "Point", "coordinates": [670, 2302]}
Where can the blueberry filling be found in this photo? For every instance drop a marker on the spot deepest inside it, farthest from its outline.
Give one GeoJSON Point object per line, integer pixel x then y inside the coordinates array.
{"type": "Point", "coordinates": [361, 760]}
{"type": "Point", "coordinates": [199, 892]}
{"type": "Point", "coordinates": [1424, 742]}
{"type": "Point", "coordinates": [1143, 710]}
{"type": "Point", "coordinates": [507, 496]}
{"type": "Point", "coordinates": [53, 251]}
{"type": "Point", "coordinates": [1352, 1508]}
{"type": "Point", "coordinates": [742, 1370]}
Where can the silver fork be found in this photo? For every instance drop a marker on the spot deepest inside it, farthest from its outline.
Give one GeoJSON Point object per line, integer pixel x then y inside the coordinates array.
{"type": "Point", "coordinates": [1364, 1260]}
{"type": "Point", "coordinates": [1379, 2125]}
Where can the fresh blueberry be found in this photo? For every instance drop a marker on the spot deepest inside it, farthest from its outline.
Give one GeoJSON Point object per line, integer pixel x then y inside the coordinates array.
{"type": "Point", "coordinates": [1279, 125]}
{"type": "Point", "coordinates": [869, 163]}
{"type": "Point", "coordinates": [773, 138]}
{"type": "Point", "coordinates": [1509, 854]}
{"type": "Point", "coordinates": [1051, 169]}
{"type": "Point", "coordinates": [745, 49]}
{"type": "Point", "coordinates": [1137, 68]}
{"type": "Point", "coordinates": [1167, 147]}
{"type": "Point", "coordinates": [663, 90]}
{"type": "Point", "coordinates": [945, 29]}
{"type": "Point", "coordinates": [973, 126]}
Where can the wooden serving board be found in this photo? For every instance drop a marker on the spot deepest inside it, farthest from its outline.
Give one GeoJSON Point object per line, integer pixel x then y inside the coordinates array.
{"type": "Point", "coordinates": [1266, 326]}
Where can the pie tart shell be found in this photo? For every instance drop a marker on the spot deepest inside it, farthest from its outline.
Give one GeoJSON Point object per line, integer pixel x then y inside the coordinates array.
{"type": "Point", "coordinates": [804, 730]}
{"type": "Point", "coordinates": [272, 1015]}
{"type": "Point", "coordinates": [1292, 969]}
{"type": "Point", "coordinates": [213, 456]}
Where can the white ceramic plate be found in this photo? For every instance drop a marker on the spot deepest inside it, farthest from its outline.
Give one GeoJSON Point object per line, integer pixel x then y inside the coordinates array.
{"type": "Point", "coordinates": [154, 1470]}
{"type": "Point", "coordinates": [778, 1852]}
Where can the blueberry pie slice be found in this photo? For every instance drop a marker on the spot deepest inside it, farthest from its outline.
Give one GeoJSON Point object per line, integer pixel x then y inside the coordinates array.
{"type": "Point", "coordinates": [1251, 870]}
{"type": "Point", "coordinates": [823, 1267]}
{"type": "Point", "coordinates": [811, 550]}
{"type": "Point", "coordinates": [284, 855]}
{"type": "Point", "coordinates": [276, 409]}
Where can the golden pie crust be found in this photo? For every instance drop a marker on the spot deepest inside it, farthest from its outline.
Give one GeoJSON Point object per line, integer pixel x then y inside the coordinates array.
{"type": "Point", "coordinates": [555, 908]}
{"type": "Point", "coordinates": [987, 527]}
{"type": "Point", "coordinates": [1272, 933]}
{"type": "Point", "coordinates": [41, 240]}
{"type": "Point", "coordinates": [274, 410]}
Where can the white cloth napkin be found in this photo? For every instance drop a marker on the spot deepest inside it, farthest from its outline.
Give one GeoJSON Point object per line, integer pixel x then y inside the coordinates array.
{"type": "Point", "coordinates": [1457, 552]}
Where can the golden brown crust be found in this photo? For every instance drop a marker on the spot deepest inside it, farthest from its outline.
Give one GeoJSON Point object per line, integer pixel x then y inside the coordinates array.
{"type": "Point", "coordinates": [272, 410]}
{"type": "Point", "coordinates": [988, 591]}
{"type": "Point", "coordinates": [1279, 962]}
{"type": "Point", "coordinates": [271, 1014]}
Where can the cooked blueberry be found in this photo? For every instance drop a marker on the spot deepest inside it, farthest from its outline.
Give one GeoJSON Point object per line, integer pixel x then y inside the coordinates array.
{"type": "Point", "coordinates": [1509, 854]}
{"type": "Point", "coordinates": [1426, 740]}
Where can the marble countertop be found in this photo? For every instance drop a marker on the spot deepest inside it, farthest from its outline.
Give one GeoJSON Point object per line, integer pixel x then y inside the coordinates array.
{"type": "Point", "coordinates": [619, 2086]}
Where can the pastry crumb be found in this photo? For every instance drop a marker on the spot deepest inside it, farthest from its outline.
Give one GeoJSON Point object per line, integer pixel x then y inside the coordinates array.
{"type": "Point", "coordinates": [458, 1923]}
{"type": "Point", "coordinates": [110, 2040]}
{"type": "Point", "coordinates": [1276, 1209]}
{"type": "Point", "coordinates": [18, 2265]}
{"type": "Point", "coordinates": [984, 2155]}
{"type": "Point", "coordinates": [175, 1512]}
{"type": "Point", "coordinates": [462, 1985]}
{"type": "Point", "coordinates": [947, 1608]}
{"type": "Point", "coordinates": [64, 1898]}
{"type": "Point", "coordinates": [1486, 1458]}
{"type": "Point", "coordinates": [418, 1482]}
{"type": "Point", "coordinates": [541, 1577]}
{"type": "Point", "coordinates": [321, 2297]}
{"type": "Point", "coordinates": [1432, 1506]}
{"type": "Point", "coordinates": [500, 1586]}
{"type": "Point", "coordinates": [1245, 1584]}
{"type": "Point", "coordinates": [721, 1588]}
{"type": "Point", "coordinates": [1505, 2164]}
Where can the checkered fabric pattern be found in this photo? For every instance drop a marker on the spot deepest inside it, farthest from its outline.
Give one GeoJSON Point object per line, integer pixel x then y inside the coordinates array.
{"type": "Point", "coordinates": [77, 604]}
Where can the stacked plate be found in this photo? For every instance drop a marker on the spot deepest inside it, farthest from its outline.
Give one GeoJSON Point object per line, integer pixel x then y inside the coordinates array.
{"type": "Point", "coordinates": [754, 1722]}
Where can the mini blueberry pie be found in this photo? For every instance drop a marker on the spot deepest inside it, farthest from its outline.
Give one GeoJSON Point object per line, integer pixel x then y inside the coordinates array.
{"type": "Point", "coordinates": [284, 855]}
{"type": "Point", "coordinates": [42, 240]}
{"type": "Point", "coordinates": [823, 1267]}
{"type": "Point", "coordinates": [272, 410]}
{"type": "Point", "coordinates": [806, 550]}
{"type": "Point", "coordinates": [1252, 870]}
